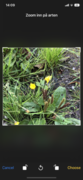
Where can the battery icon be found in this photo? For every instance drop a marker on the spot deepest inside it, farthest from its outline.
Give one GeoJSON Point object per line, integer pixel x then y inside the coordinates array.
{"type": "Point", "coordinates": [76, 5]}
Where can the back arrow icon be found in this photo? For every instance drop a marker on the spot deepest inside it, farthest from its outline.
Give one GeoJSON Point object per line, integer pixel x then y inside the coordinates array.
{"type": "Point", "coordinates": [40, 168]}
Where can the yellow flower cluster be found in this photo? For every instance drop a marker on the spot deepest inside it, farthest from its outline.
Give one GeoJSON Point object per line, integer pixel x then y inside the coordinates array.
{"type": "Point", "coordinates": [16, 123]}
{"type": "Point", "coordinates": [48, 78]}
{"type": "Point", "coordinates": [32, 86]}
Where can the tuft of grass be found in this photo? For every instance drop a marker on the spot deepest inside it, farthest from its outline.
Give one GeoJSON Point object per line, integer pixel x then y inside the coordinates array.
{"type": "Point", "coordinates": [51, 55]}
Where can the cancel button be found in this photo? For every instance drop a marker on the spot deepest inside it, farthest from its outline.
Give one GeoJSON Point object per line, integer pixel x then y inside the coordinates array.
{"type": "Point", "coordinates": [4, 167]}
{"type": "Point", "coordinates": [73, 167]}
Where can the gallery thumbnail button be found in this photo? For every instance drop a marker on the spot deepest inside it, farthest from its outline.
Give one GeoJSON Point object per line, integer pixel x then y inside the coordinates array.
{"type": "Point", "coordinates": [7, 167]}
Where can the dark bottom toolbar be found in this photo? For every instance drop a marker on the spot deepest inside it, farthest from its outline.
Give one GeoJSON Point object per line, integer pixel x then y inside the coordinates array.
{"type": "Point", "coordinates": [43, 171]}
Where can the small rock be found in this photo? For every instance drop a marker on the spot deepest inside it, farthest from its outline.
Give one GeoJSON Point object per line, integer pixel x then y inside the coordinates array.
{"type": "Point", "coordinates": [73, 68]}
{"type": "Point", "coordinates": [73, 87]}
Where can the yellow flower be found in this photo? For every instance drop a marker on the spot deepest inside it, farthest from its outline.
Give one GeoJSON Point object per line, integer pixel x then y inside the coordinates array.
{"type": "Point", "coordinates": [48, 78]}
{"type": "Point", "coordinates": [16, 123]}
{"type": "Point", "coordinates": [27, 111]}
{"type": "Point", "coordinates": [32, 86]}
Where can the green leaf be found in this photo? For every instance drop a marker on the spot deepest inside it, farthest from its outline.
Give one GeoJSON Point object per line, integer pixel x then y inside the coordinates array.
{"type": "Point", "coordinates": [37, 121]}
{"type": "Point", "coordinates": [28, 50]}
{"type": "Point", "coordinates": [5, 100]}
{"type": "Point", "coordinates": [38, 93]}
{"type": "Point", "coordinates": [25, 66]}
{"type": "Point", "coordinates": [40, 100]}
{"type": "Point", "coordinates": [34, 121]}
{"type": "Point", "coordinates": [60, 120]}
{"type": "Point", "coordinates": [31, 106]}
{"type": "Point", "coordinates": [32, 110]}
{"type": "Point", "coordinates": [11, 55]}
{"type": "Point", "coordinates": [58, 95]}
{"type": "Point", "coordinates": [74, 121]}
{"type": "Point", "coordinates": [38, 84]}
{"type": "Point", "coordinates": [57, 123]}
{"type": "Point", "coordinates": [46, 87]}
{"type": "Point", "coordinates": [42, 82]}
{"type": "Point", "coordinates": [24, 122]}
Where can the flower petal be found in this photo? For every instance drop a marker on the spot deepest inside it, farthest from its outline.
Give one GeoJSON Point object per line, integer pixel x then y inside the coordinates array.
{"type": "Point", "coordinates": [32, 86]}
{"type": "Point", "coordinates": [16, 123]}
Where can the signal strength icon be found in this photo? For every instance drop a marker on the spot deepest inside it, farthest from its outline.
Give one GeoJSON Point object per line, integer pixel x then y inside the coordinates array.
{"type": "Point", "coordinates": [67, 5]}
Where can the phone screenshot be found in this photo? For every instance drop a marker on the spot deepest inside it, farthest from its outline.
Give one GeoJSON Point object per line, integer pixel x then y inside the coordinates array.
{"type": "Point", "coordinates": [41, 91]}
